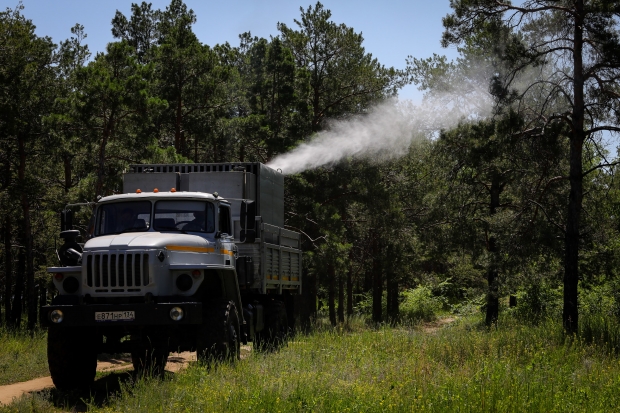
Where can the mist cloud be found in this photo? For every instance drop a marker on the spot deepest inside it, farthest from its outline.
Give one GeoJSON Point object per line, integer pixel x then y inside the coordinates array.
{"type": "Point", "coordinates": [386, 131]}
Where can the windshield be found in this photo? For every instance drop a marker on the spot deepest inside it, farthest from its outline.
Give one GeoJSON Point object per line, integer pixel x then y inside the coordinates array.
{"type": "Point", "coordinates": [118, 217]}
{"type": "Point", "coordinates": [180, 215]}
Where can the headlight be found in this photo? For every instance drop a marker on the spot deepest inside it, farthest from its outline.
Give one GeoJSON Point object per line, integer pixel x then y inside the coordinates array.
{"type": "Point", "coordinates": [184, 282]}
{"type": "Point", "coordinates": [70, 285]}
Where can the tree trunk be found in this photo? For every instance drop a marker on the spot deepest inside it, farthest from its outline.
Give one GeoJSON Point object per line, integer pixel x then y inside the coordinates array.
{"type": "Point", "coordinates": [177, 125]}
{"type": "Point", "coordinates": [341, 303]}
{"type": "Point", "coordinates": [17, 307]}
{"type": "Point", "coordinates": [31, 296]}
{"type": "Point", "coordinates": [27, 236]}
{"type": "Point", "coordinates": [331, 296]}
{"type": "Point", "coordinates": [101, 162]}
{"type": "Point", "coordinates": [316, 107]}
{"type": "Point", "coordinates": [67, 165]}
{"type": "Point", "coordinates": [215, 149]}
{"type": "Point", "coordinates": [377, 283]}
{"type": "Point", "coordinates": [570, 313]}
{"type": "Point", "coordinates": [350, 286]}
{"type": "Point", "coordinates": [368, 271]}
{"type": "Point", "coordinates": [184, 148]}
{"type": "Point", "coordinates": [8, 269]}
{"type": "Point", "coordinates": [309, 290]}
{"type": "Point", "coordinates": [493, 291]}
{"type": "Point", "coordinates": [196, 149]}
{"type": "Point", "coordinates": [392, 297]}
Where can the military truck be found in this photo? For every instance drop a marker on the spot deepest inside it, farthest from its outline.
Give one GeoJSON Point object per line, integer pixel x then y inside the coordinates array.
{"type": "Point", "coordinates": [190, 257]}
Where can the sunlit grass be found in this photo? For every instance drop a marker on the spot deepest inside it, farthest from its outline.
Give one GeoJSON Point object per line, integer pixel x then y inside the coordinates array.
{"type": "Point", "coordinates": [23, 355]}
{"type": "Point", "coordinates": [462, 367]}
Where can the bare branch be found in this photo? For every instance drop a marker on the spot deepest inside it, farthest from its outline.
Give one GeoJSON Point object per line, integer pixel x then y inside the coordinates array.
{"type": "Point", "coordinates": [555, 224]}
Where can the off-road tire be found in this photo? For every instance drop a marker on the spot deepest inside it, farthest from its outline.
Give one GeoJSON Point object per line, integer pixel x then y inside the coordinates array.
{"type": "Point", "coordinates": [218, 337]}
{"type": "Point", "coordinates": [275, 332]}
{"type": "Point", "coordinates": [72, 357]}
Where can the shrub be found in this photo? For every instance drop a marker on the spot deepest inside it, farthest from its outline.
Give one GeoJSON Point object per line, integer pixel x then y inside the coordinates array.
{"type": "Point", "coordinates": [538, 301]}
{"type": "Point", "coordinates": [419, 304]}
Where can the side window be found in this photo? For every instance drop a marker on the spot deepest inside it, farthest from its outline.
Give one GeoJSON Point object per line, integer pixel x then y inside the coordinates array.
{"type": "Point", "coordinates": [224, 214]}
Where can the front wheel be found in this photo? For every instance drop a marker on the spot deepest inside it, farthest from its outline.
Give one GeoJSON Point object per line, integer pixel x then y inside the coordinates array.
{"type": "Point", "coordinates": [72, 358]}
{"type": "Point", "coordinates": [149, 360]}
{"type": "Point", "coordinates": [218, 335]}
{"type": "Point", "coordinates": [150, 354]}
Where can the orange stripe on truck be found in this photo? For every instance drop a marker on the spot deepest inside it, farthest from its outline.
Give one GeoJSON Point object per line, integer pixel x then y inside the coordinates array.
{"type": "Point", "coordinates": [189, 249]}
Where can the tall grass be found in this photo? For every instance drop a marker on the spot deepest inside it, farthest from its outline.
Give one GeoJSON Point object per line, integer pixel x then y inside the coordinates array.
{"type": "Point", "coordinates": [463, 367]}
{"type": "Point", "coordinates": [23, 355]}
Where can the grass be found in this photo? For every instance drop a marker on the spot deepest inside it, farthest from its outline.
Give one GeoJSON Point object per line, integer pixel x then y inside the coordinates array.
{"type": "Point", "coordinates": [461, 368]}
{"type": "Point", "coordinates": [23, 355]}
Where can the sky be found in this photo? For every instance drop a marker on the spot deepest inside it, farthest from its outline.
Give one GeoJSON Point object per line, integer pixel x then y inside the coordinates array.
{"type": "Point", "coordinates": [392, 29]}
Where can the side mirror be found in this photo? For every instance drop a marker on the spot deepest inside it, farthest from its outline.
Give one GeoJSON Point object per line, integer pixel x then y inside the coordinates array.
{"type": "Point", "coordinates": [248, 221]}
{"type": "Point", "coordinates": [66, 220]}
{"type": "Point", "coordinates": [70, 253]}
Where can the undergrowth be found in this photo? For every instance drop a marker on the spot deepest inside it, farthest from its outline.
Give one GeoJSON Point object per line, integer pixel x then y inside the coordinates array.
{"type": "Point", "coordinates": [23, 355]}
{"type": "Point", "coordinates": [463, 367]}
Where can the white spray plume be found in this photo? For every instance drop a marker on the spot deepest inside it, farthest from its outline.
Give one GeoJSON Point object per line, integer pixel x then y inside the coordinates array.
{"type": "Point", "coordinates": [386, 131]}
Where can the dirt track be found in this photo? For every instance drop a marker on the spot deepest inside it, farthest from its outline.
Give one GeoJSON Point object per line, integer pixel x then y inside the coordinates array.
{"type": "Point", "coordinates": [176, 362]}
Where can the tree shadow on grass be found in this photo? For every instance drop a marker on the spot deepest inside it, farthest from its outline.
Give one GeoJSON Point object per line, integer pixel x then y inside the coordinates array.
{"type": "Point", "coordinates": [103, 390]}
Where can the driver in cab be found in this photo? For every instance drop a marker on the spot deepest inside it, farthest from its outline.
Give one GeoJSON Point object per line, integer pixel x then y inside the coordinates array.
{"type": "Point", "coordinates": [198, 223]}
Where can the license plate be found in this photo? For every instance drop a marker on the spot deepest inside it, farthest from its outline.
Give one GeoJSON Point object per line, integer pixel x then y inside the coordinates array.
{"type": "Point", "coordinates": [115, 315]}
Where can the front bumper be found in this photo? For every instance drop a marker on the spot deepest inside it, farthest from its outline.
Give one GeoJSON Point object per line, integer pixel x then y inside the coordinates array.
{"type": "Point", "coordinates": [151, 314]}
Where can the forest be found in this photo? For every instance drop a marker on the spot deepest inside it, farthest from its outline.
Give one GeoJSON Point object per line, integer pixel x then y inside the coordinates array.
{"type": "Point", "coordinates": [511, 205]}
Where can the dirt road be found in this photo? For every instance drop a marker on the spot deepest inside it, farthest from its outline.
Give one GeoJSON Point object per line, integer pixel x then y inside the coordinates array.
{"type": "Point", "coordinates": [176, 362]}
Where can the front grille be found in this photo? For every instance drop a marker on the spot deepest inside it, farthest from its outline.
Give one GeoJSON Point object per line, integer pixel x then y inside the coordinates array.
{"type": "Point", "coordinates": [117, 272]}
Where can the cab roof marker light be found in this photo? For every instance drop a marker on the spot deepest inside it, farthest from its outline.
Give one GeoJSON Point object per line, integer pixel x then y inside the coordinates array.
{"type": "Point", "coordinates": [155, 190]}
{"type": "Point", "coordinates": [138, 191]}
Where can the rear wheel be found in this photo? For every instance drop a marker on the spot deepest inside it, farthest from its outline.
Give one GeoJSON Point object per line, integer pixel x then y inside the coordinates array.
{"type": "Point", "coordinates": [72, 357]}
{"type": "Point", "coordinates": [274, 334]}
{"type": "Point", "coordinates": [218, 335]}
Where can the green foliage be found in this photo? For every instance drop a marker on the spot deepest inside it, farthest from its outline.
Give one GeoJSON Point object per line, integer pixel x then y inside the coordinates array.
{"type": "Point", "coordinates": [415, 305]}
{"type": "Point", "coordinates": [343, 78]}
{"type": "Point", "coordinates": [538, 301]}
{"type": "Point", "coordinates": [419, 304]}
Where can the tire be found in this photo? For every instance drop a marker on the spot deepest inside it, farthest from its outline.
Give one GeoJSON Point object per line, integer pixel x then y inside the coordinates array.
{"type": "Point", "coordinates": [72, 358]}
{"type": "Point", "coordinates": [218, 335]}
{"type": "Point", "coordinates": [274, 334]}
{"type": "Point", "coordinates": [150, 359]}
